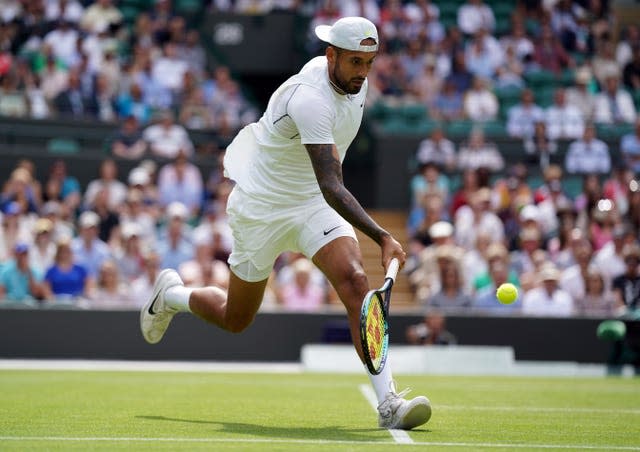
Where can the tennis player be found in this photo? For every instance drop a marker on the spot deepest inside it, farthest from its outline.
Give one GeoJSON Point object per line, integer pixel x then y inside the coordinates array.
{"type": "Point", "coordinates": [290, 196]}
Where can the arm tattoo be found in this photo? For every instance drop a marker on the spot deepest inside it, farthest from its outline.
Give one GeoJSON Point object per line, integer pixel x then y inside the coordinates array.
{"type": "Point", "coordinates": [328, 171]}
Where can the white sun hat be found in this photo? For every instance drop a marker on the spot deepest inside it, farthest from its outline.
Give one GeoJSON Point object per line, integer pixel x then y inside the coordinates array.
{"type": "Point", "coordinates": [348, 32]}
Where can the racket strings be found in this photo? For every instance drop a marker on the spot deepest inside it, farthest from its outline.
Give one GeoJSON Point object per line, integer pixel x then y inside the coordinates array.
{"type": "Point", "coordinates": [375, 332]}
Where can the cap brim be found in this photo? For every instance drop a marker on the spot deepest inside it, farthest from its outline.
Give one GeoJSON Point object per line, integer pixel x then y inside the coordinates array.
{"type": "Point", "coordinates": [323, 32]}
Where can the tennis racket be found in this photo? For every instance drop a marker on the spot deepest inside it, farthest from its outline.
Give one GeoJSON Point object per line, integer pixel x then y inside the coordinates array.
{"type": "Point", "coordinates": [374, 329]}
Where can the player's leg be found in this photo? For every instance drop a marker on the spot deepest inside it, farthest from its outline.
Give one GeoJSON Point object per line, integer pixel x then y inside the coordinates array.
{"type": "Point", "coordinates": [341, 262]}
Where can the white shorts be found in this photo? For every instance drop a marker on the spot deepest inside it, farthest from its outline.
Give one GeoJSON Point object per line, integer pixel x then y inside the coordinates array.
{"type": "Point", "coordinates": [263, 230]}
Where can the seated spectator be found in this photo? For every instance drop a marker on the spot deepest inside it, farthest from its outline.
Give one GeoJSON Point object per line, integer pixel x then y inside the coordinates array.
{"type": "Point", "coordinates": [523, 116]}
{"type": "Point", "coordinates": [604, 62]}
{"type": "Point", "coordinates": [517, 40]}
{"type": "Point", "coordinates": [110, 291]}
{"type": "Point", "coordinates": [480, 104]}
{"type": "Point", "coordinates": [107, 180]}
{"type": "Point", "coordinates": [428, 212]}
{"type": "Point", "coordinates": [451, 296]}
{"type": "Point", "coordinates": [168, 70]}
{"type": "Point", "coordinates": [195, 113]}
{"type": "Point", "coordinates": [609, 260]}
{"type": "Point", "coordinates": [448, 104]}
{"type": "Point", "coordinates": [128, 142]}
{"type": "Point", "coordinates": [477, 218]}
{"type": "Point", "coordinates": [166, 138]}
{"type": "Point", "coordinates": [460, 75]}
{"type": "Point", "coordinates": [20, 189]}
{"type": "Point", "coordinates": [131, 103]}
{"type": "Point", "coordinates": [509, 74]}
{"type": "Point", "coordinates": [476, 153]}
{"type": "Point", "coordinates": [563, 120]}
{"type": "Point", "coordinates": [63, 40]}
{"type": "Point", "coordinates": [88, 250]}
{"type": "Point", "coordinates": [71, 103]}
{"type": "Point", "coordinates": [432, 331]}
{"type": "Point", "coordinates": [428, 83]}
{"type": "Point", "coordinates": [631, 71]}
{"type": "Point", "coordinates": [66, 279]}
{"type": "Point", "coordinates": [99, 16]}
{"type": "Point", "coordinates": [429, 180]}
{"type": "Point", "coordinates": [129, 256]}
{"type": "Point", "coordinates": [470, 183]}
{"type": "Point", "coordinates": [475, 15]}
{"type": "Point", "coordinates": [614, 105]}
{"type": "Point", "coordinates": [301, 294]}
{"type": "Point", "coordinates": [580, 94]}
{"type": "Point", "coordinates": [539, 147]}
{"type": "Point", "coordinates": [548, 300]}
{"type": "Point", "coordinates": [523, 259]}
{"type": "Point", "coordinates": [626, 287]}
{"type": "Point", "coordinates": [483, 55]}
{"type": "Point", "coordinates": [598, 301]}
{"type": "Point", "coordinates": [108, 228]}
{"type": "Point", "coordinates": [630, 148]}
{"type": "Point", "coordinates": [549, 54]}
{"type": "Point", "coordinates": [174, 246]}
{"type": "Point", "coordinates": [616, 187]}
{"type": "Point", "coordinates": [181, 181]}
{"type": "Point", "coordinates": [69, 10]}
{"type": "Point", "coordinates": [15, 228]}
{"type": "Point", "coordinates": [588, 155]}
{"type": "Point", "coordinates": [573, 279]}
{"type": "Point", "coordinates": [20, 282]}
{"type": "Point", "coordinates": [13, 100]}
{"type": "Point", "coordinates": [42, 252]}
{"type": "Point", "coordinates": [439, 150]}
{"type": "Point", "coordinates": [134, 213]}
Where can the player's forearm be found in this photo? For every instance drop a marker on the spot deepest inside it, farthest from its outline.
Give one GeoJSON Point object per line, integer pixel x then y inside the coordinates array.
{"type": "Point", "coordinates": [343, 202]}
{"type": "Point", "coordinates": [328, 171]}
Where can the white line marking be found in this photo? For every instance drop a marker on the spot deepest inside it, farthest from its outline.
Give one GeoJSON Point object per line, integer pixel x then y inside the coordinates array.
{"type": "Point", "coordinates": [400, 436]}
{"type": "Point", "coordinates": [533, 409]}
{"type": "Point", "coordinates": [312, 441]}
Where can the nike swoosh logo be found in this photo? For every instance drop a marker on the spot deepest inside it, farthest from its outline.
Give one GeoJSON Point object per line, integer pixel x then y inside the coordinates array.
{"type": "Point", "coordinates": [328, 231]}
{"type": "Point", "coordinates": [150, 310]}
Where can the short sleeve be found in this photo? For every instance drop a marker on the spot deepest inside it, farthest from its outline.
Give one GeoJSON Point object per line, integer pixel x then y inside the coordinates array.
{"type": "Point", "coordinates": [313, 115]}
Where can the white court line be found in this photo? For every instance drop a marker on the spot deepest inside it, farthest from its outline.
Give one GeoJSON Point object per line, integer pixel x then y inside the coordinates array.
{"type": "Point", "coordinates": [311, 441]}
{"type": "Point", "coordinates": [533, 409]}
{"type": "Point", "coordinates": [400, 436]}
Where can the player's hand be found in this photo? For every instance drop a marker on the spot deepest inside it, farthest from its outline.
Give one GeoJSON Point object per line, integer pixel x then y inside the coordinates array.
{"type": "Point", "coordinates": [391, 248]}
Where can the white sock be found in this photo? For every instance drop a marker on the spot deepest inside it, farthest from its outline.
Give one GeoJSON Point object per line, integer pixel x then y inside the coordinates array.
{"type": "Point", "coordinates": [382, 383]}
{"type": "Point", "coordinates": [177, 297]}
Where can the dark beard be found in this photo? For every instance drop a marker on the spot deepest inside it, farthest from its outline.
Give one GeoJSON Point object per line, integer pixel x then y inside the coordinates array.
{"type": "Point", "coordinates": [343, 86]}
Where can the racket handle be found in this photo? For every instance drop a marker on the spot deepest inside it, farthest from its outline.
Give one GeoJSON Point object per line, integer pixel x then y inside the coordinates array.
{"type": "Point", "coordinates": [392, 270]}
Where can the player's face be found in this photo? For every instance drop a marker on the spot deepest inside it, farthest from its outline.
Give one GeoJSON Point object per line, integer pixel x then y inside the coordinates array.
{"type": "Point", "coordinates": [348, 69]}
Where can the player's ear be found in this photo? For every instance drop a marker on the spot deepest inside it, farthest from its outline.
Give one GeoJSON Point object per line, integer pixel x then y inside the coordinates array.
{"type": "Point", "coordinates": [331, 53]}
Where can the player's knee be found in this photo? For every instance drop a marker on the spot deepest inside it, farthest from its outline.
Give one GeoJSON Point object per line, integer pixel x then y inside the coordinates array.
{"type": "Point", "coordinates": [355, 285]}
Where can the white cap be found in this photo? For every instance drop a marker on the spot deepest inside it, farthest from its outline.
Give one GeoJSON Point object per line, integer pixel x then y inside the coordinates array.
{"type": "Point", "coordinates": [177, 210]}
{"type": "Point", "coordinates": [88, 219]}
{"type": "Point", "coordinates": [138, 176]}
{"type": "Point", "coordinates": [530, 212]}
{"type": "Point", "coordinates": [348, 32]}
{"type": "Point", "coordinates": [441, 229]}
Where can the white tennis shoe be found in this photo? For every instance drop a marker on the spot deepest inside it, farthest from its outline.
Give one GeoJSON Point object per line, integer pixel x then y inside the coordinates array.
{"type": "Point", "coordinates": [397, 413]}
{"type": "Point", "coordinates": [155, 315]}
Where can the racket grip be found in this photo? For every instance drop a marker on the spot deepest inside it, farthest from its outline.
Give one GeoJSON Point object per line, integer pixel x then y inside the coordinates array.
{"type": "Point", "coordinates": [392, 270]}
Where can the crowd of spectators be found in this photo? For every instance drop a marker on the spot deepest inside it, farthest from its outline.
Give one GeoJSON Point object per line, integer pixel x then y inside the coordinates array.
{"type": "Point", "coordinates": [80, 60]}
{"type": "Point", "coordinates": [570, 254]}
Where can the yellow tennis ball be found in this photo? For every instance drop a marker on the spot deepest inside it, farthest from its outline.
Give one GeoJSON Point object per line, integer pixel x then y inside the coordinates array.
{"type": "Point", "coordinates": [507, 293]}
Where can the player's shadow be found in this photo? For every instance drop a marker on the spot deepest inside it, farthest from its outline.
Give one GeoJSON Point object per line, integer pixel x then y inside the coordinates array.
{"type": "Point", "coordinates": [330, 432]}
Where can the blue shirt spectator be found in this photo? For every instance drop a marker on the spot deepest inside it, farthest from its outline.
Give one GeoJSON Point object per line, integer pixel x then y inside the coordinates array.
{"type": "Point", "coordinates": [630, 148]}
{"type": "Point", "coordinates": [18, 280]}
{"type": "Point", "coordinates": [67, 282]}
{"type": "Point", "coordinates": [88, 250]}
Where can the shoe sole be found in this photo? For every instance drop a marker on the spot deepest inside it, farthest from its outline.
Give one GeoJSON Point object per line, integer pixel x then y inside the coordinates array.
{"type": "Point", "coordinates": [417, 415]}
{"type": "Point", "coordinates": [145, 311]}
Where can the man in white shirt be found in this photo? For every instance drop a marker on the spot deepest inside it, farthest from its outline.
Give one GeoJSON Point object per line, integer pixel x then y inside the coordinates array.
{"type": "Point", "coordinates": [475, 15]}
{"type": "Point", "coordinates": [614, 105]}
{"type": "Point", "coordinates": [523, 116]}
{"type": "Point", "coordinates": [290, 196]}
{"type": "Point", "coordinates": [166, 138]}
{"type": "Point", "coordinates": [548, 300]}
{"type": "Point", "coordinates": [588, 155]}
{"type": "Point", "coordinates": [563, 120]}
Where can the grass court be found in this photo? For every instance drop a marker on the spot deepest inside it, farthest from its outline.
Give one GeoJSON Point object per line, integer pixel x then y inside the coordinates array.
{"type": "Point", "coordinates": [142, 410]}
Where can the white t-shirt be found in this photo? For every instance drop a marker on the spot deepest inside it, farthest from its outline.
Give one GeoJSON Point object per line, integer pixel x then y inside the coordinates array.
{"type": "Point", "coordinates": [268, 159]}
